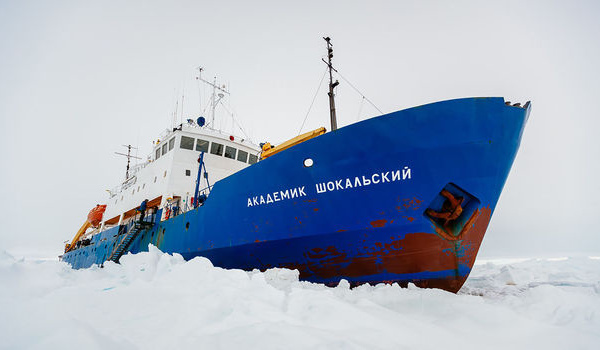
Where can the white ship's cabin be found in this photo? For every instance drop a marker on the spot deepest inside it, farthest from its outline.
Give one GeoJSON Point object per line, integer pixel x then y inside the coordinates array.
{"type": "Point", "coordinates": [167, 179]}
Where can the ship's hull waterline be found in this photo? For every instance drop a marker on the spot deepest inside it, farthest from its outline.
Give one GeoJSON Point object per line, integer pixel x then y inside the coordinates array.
{"type": "Point", "coordinates": [370, 209]}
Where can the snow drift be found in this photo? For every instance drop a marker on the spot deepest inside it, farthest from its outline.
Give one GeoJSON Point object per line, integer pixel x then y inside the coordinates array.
{"type": "Point", "coordinates": [155, 300]}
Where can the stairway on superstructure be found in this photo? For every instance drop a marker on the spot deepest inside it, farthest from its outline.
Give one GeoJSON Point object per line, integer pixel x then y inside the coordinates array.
{"type": "Point", "coordinates": [125, 242]}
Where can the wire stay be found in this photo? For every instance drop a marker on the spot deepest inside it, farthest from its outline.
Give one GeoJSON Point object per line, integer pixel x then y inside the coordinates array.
{"type": "Point", "coordinates": [360, 93]}
{"type": "Point", "coordinates": [313, 101]}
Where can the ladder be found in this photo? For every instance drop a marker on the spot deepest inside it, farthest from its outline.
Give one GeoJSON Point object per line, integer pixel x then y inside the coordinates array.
{"type": "Point", "coordinates": [125, 242]}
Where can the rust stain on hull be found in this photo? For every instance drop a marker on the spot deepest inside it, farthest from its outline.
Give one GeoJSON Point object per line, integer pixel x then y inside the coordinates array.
{"type": "Point", "coordinates": [379, 223]}
{"type": "Point", "coordinates": [414, 253]}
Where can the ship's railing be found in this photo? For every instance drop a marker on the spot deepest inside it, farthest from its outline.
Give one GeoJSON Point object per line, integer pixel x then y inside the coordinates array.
{"type": "Point", "coordinates": [130, 181]}
{"type": "Point", "coordinates": [120, 188]}
{"type": "Point", "coordinates": [189, 205]}
{"type": "Point", "coordinates": [136, 168]}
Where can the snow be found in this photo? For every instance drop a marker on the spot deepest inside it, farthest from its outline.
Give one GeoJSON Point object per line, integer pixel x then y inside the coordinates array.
{"type": "Point", "coordinates": [155, 300]}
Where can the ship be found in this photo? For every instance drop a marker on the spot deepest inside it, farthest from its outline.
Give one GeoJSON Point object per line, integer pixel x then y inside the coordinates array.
{"type": "Point", "coordinates": [404, 197]}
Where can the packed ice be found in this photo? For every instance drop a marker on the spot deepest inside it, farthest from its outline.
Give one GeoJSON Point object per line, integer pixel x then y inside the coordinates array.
{"type": "Point", "coordinates": [155, 300]}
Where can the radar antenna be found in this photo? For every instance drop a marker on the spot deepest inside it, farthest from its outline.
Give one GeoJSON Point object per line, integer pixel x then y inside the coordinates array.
{"type": "Point", "coordinates": [216, 97]}
{"type": "Point", "coordinates": [332, 85]}
{"type": "Point", "coordinates": [129, 156]}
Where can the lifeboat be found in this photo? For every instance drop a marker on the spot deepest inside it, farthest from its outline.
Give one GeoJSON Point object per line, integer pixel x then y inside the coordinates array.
{"type": "Point", "coordinates": [95, 215]}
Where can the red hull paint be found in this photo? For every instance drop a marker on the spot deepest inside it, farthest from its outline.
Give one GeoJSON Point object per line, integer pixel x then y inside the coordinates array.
{"type": "Point", "coordinates": [415, 253]}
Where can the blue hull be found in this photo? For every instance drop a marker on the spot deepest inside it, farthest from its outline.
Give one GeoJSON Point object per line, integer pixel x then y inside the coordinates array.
{"type": "Point", "coordinates": [365, 211]}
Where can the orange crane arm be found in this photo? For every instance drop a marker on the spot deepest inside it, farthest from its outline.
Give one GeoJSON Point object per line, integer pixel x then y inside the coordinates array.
{"type": "Point", "coordinates": [93, 219]}
{"type": "Point", "coordinates": [78, 235]}
{"type": "Point", "coordinates": [269, 150]}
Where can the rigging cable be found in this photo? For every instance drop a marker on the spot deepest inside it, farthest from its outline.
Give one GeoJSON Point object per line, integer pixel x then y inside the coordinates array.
{"type": "Point", "coordinates": [182, 99]}
{"type": "Point", "coordinates": [313, 101]}
{"type": "Point", "coordinates": [360, 93]}
{"type": "Point", "coordinates": [204, 111]}
{"type": "Point", "coordinates": [235, 121]}
{"type": "Point", "coordinates": [362, 102]}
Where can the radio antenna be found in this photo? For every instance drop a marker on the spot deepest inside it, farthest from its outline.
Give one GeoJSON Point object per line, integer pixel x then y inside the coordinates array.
{"type": "Point", "coordinates": [129, 156]}
{"type": "Point", "coordinates": [216, 97]}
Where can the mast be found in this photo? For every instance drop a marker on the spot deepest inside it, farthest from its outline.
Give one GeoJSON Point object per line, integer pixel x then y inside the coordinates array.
{"type": "Point", "coordinates": [214, 103]}
{"type": "Point", "coordinates": [332, 85]}
{"type": "Point", "coordinates": [129, 156]}
{"type": "Point", "coordinates": [216, 97]}
{"type": "Point", "coordinates": [199, 77]}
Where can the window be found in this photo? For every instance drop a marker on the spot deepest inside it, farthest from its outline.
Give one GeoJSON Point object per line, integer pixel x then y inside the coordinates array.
{"type": "Point", "coordinates": [171, 143]}
{"type": "Point", "coordinates": [165, 174]}
{"type": "Point", "coordinates": [187, 142]}
{"type": "Point", "coordinates": [230, 152]}
{"type": "Point", "coordinates": [242, 156]}
{"type": "Point", "coordinates": [216, 148]}
{"type": "Point", "coordinates": [253, 159]}
{"type": "Point", "coordinates": [188, 173]}
{"type": "Point", "coordinates": [164, 149]}
{"type": "Point", "coordinates": [155, 179]}
{"type": "Point", "coordinates": [202, 145]}
{"type": "Point", "coordinates": [157, 154]}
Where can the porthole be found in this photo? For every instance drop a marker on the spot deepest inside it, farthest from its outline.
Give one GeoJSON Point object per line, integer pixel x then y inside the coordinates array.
{"type": "Point", "coordinates": [308, 162]}
{"type": "Point", "coordinates": [187, 225]}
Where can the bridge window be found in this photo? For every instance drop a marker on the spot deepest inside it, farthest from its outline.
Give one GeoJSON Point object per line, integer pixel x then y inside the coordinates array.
{"type": "Point", "coordinates": [216, 148]}
{"type": "Point", "coordinates": [171, 143]}
{"type": "Point", "coordinates": [157, 154]}
{"type": "Point", "coordinates": [242, 156]}
{"type": "Point", "coordinates": [202, 145]}
{"type": "Point", "coordinates": [253, 159]}
{"type": "Point", "coordinates": [230, 152]}
{"type": "Point", "coordinates": [187, 142]}
{"type": "Point", "coordinates": [164, 149]}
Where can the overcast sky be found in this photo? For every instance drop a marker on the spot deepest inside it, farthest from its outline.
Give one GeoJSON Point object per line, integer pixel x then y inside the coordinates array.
{"type": "Point", "coordinates": [78, 79]}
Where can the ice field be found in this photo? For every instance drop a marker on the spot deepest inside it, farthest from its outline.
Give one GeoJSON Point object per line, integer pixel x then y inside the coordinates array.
{"type": "Point", "coordinates": [158, 301]}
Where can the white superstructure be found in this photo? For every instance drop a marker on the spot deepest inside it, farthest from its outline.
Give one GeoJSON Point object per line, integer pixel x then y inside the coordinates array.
{"type": "Point", "coordinates": [168, 177]}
